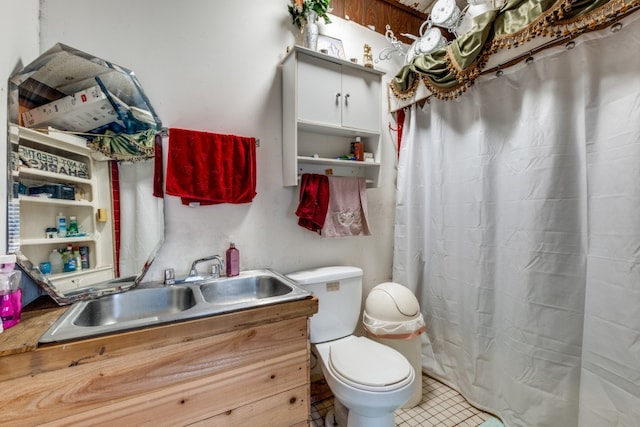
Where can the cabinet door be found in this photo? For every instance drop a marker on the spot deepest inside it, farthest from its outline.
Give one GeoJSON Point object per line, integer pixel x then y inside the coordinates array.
{"type": "Point", "coordinates": [361, 100]}
{"type": "Point", "coordinates": [319, 91]}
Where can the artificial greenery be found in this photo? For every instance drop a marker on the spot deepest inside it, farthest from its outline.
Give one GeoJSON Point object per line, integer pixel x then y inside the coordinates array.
{"type": "Point", "coordinates": [298, 9]}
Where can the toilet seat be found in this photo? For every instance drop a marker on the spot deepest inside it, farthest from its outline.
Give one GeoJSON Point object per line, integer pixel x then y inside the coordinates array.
{"type": "Point", "coordinates": [368, 365]}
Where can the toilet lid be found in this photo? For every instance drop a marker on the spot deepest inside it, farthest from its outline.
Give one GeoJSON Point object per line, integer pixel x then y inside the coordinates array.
{"type": "Point", "coordinates": [370, 364]}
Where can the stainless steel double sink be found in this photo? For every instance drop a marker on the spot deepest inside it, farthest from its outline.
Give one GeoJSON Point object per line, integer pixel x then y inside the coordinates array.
{"type": "Point", "coordinates": [153, 304]}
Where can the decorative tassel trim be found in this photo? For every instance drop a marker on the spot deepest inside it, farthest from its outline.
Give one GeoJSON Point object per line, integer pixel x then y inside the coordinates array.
{"type": "Point", "coordinates": [124, 147]}
{"type": "Point", "coordinates": [549, 23]}
{"type": "Point", "coordinates": [461, 74]}
{"type": "Point", "coordinates": [538, 27]}
{"type": "Point", "coordinates": [406, 94]}
{"type": "Point", "coordinates": [452, 64]}
{"type": "Point", "coordinates": [596, 19]}
{"type": "Point", "coordinates": [446, 93]}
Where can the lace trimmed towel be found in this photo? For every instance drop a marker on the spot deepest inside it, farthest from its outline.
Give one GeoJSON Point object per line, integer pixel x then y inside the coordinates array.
{"type": "Point", "coordinates": [347, 211]}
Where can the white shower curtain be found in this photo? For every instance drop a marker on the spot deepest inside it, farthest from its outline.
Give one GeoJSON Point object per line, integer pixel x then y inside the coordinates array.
{"type": "Point", "coordinates": [518, 228]}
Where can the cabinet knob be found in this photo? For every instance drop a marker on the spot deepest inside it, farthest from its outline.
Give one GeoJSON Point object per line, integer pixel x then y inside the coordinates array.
{"type": "Point", "coordinates": [346, 99]}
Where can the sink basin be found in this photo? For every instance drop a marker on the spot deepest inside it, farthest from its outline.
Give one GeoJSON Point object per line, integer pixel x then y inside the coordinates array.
{"type": "Point", "coordinates": [154, 304]}
{"type": "Point", "coordinates": [238, 290]}
{"type": "Point", "coordinates": [134, 305]}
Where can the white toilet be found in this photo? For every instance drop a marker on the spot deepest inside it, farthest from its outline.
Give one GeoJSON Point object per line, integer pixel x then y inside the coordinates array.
{"type": "Point", "coordinates": [368, 378]}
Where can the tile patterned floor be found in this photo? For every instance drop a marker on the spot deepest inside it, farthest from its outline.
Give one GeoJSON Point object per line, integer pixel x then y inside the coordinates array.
{"type": "Point", "coordinates": [440, 406]}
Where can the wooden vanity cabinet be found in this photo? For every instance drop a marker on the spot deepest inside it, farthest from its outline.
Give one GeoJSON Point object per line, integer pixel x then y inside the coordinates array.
{"type": "Point", "coordinates": [245, 368]}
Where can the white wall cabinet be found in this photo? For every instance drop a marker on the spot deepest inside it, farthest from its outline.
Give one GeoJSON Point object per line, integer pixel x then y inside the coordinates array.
{"type": "Point", "coordinates": [38, 212]}
{"type": "Point", "coordinates": [327, 102]}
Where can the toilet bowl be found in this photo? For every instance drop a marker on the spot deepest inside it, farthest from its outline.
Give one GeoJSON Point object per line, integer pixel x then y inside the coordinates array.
{"type": "Point", "coordinates": [370, 379]}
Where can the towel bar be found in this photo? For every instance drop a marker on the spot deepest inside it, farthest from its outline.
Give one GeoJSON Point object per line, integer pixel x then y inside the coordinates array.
{"type": "Point", "coordinates": [165, 132]}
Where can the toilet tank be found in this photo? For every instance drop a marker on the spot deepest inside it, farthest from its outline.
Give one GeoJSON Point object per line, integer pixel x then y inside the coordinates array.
{"type": "Point", "coordinates": [339, 293]}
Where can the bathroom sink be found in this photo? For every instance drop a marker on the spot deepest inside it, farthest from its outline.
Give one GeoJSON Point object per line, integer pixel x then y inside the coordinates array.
{"type": "Point", "coordinates": [239, 290]}
{"type": "Point", "coordinates": [134, 305]}
{"type": "Point", "coordinates": [153, 303]}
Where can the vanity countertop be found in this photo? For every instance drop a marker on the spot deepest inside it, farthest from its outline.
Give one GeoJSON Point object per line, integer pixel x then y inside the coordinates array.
{"type": "Point", "coordinates": [38, 317]}
{"type": "Point", "coordinates": [35, 320]}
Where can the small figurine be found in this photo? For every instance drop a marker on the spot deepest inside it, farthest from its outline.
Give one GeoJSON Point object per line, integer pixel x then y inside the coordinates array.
{"type": "Point", "coordinates": [367, 57]}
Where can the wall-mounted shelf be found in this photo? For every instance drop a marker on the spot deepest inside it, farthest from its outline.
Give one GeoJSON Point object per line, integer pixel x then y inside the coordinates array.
{"type": "Point", "coordinates": [52, 176]}
{"type": "Point", "coordinates": [59, 241]}
{"type": "Point", "coordinates": [55, 202]}
{"type": "Point", "coordinates": [327, 102]}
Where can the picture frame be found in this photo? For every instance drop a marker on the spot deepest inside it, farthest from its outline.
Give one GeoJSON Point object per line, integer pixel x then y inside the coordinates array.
{"type": "Point", "coordinates": [331, 46]}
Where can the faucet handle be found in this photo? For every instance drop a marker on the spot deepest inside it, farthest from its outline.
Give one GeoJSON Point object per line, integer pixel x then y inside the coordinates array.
{"type": "Point", "coordinates": [169, 276]}
{"type": "Point", "coordinates": [215, 270]}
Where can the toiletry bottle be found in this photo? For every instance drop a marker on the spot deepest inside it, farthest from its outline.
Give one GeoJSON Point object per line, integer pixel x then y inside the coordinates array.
{"type": "Point", "coordinates": [73, 226]}
{"type": "Point", "coordinates": [56, 262]}
{"type": "Point", "coordinates": [61, 223]}
{"type": "Point", "coordinates": [78, 258]}
{"type": "Point", "coordinates": [10, 298]}
{"type": "Point", "coordinates": [233, 260]}
{"type": "Point", "coordinates": [10, 292]}
{"type": "Point", "coordinates": [69, 260]}
{"type": "Point", "coordinates": [65, 260]}
{"type": "Point", "coordinates": [51, 232]}
{"type": "Point", "coordinates": [358, 149]}
{"type": "Point", "coordinates": [84, 257]}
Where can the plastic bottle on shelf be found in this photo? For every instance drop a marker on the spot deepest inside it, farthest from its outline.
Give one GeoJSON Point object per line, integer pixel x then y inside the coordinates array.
{"type": "Point", "coordinates": [84, 257]}
{"type": "Point", "coordinates": [78, 258]}
{"type": "Point", "coordinates": [233, 260]}
{"type": "Point", "coordinates": [358, 149]}
{"type": "Point", "coordinates": [69, 260]}
{"type": "Point", "coordinates": [55, 258]}
{"type": "Point", "coordinates": [61, 224]}
{"type": "Point", "coordinates": [73, 226]}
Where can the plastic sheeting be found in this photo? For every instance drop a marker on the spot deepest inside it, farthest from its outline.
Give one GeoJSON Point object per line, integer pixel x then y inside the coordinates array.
{"type": "Point", "coordinates": [142, 222]}
{"type": "Point", "coordinates": [518, 228]}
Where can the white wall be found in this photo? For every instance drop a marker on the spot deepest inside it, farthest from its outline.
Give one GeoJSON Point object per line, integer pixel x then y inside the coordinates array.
{"type": "Point", "coordinates": [213, 66]}
{"type": "Point", "coordinates": [19, 46]}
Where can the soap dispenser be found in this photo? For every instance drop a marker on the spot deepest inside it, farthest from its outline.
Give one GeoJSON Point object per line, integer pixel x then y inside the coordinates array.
{"type": "Point", "coordinates": [233, 260]}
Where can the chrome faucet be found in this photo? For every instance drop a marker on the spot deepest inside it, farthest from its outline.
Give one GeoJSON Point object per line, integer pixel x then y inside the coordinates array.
{"type": "Point", "coordinates": [216, 270]}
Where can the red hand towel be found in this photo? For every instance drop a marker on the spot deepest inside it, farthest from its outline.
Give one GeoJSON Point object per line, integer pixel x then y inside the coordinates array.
{"type": "Point", "coordinates": [207, 168]}
{"type": "Point", "coordinates": [314, 201]}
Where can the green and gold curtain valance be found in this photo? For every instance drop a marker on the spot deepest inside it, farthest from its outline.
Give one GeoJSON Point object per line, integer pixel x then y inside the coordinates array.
{"type": "Point", "coordinates": [449, 71]}
{"type": "Point", "coordinates": [121, 146]}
